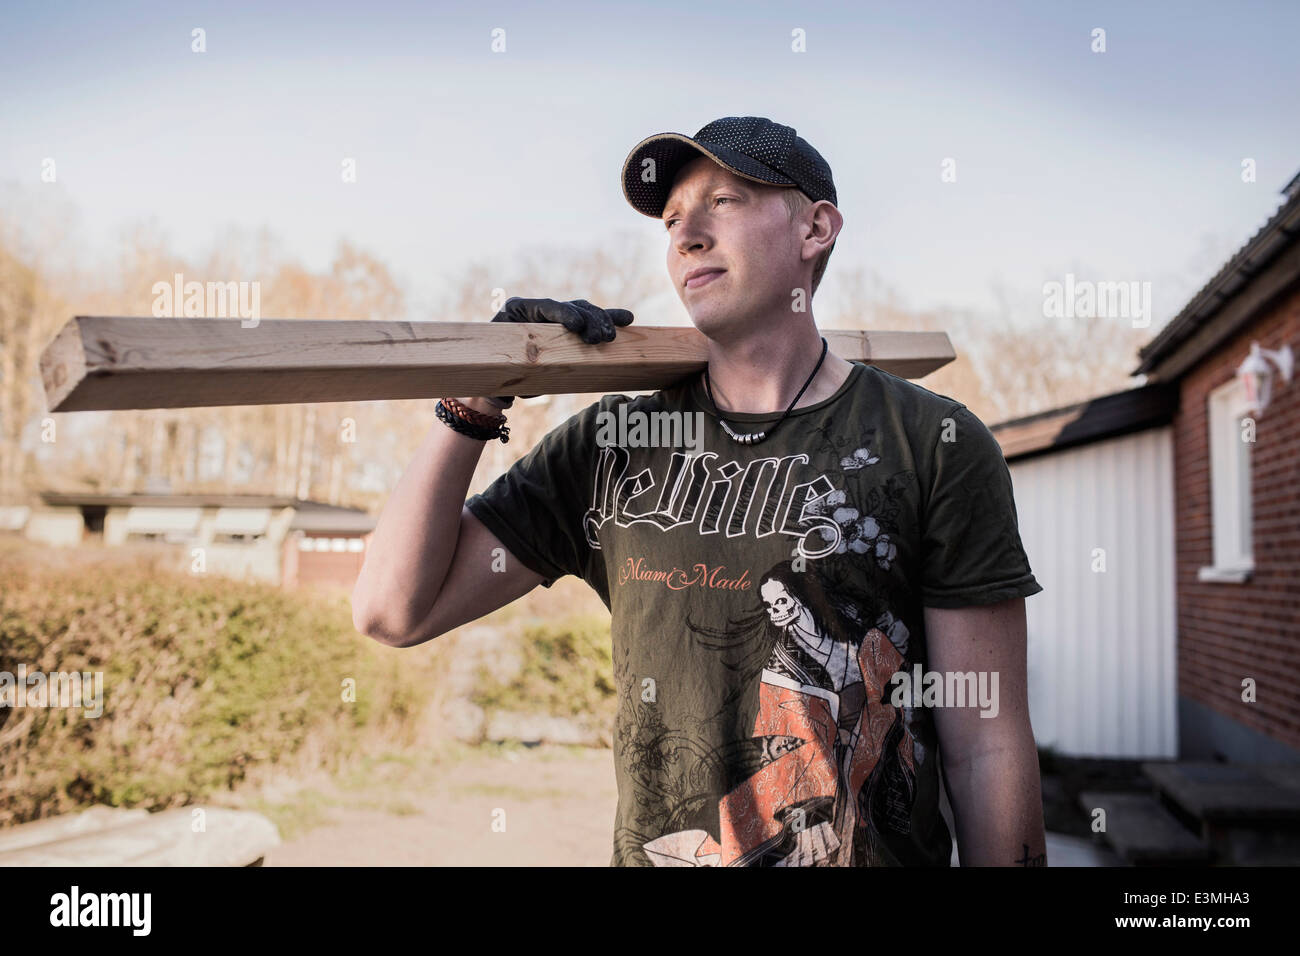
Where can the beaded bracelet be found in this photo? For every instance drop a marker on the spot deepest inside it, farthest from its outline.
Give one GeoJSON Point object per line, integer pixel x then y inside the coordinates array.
{"type": "Point", "coordinates": [477, 432]}
{"type": "Point", "coordinates": [472, 415]}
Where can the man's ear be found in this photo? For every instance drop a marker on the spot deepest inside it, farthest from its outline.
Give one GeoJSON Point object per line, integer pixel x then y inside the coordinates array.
{"type": "Point", "coordinates": [827, 220]}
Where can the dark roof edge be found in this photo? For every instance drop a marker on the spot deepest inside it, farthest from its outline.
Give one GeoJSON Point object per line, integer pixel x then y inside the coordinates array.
{"type": "Point", "coordinates": [1106, 416]}
{"type": "Point", "coordinates": [1237, 272]}
{"type": "Point", "coordinates": [1291, 189]}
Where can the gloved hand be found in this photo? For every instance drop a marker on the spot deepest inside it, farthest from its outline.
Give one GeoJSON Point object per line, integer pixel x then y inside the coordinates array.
{"type": "Point", "coordinates": [594, 324]}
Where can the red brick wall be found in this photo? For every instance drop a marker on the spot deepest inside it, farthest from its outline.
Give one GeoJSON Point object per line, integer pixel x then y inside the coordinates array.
{"type": "Point", "coordinates": [1227, 632]}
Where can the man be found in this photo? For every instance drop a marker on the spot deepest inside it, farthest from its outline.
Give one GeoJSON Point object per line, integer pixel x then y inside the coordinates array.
{"type": "Point", "coordinates": [839, 526]}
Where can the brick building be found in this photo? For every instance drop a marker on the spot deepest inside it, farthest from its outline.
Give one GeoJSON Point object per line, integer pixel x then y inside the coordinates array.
{"type": "Point", "coordinates": [1187, 645]}
{"type": "Point", "coordinates": [1237, 502]}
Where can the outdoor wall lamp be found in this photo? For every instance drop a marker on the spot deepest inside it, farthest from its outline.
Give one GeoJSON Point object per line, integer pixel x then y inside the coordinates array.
{"type": "Point", "coordinates": [1257, 376]}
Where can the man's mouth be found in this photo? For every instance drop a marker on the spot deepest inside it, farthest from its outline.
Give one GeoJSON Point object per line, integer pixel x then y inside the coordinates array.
{"type": "Point", "coordinates": [702, 277]}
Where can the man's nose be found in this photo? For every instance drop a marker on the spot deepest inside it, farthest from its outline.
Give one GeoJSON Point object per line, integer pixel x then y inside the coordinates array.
{"type": "Point", "coordinates": [690, 232]}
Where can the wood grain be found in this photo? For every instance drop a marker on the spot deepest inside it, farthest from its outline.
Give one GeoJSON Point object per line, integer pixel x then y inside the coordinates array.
{"type": "Point", "coordinates": [106, 362]}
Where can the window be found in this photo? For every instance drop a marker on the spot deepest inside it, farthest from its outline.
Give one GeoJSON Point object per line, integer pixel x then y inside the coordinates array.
{"type": "Point", "coordinates": [353, 545]}
{"type": "Point", "coordinates": [237, 538]}
{"type": "Point", "coordinates": [1231, 437]}
{"type": "Point", "coordinates": [93, 516]}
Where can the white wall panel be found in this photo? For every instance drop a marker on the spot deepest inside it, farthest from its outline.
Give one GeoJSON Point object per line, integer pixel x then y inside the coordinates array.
{"type": "Point", "coordinates": [1102, 644]}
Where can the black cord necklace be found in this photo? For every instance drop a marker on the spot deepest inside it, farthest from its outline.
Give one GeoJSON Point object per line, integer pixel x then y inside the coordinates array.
{"type": "Point", "coordinates": [753, 438]}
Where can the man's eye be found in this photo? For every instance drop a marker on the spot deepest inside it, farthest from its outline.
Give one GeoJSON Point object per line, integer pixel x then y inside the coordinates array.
{"type": "Point", "coordinates": [669, 223]}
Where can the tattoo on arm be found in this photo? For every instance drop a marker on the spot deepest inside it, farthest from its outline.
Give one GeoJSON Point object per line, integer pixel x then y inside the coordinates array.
{"type": "Point", "coordinates": [1027, 860]}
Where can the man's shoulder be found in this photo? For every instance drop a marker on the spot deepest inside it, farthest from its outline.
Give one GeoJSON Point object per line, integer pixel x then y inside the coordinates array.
{"type": "Point", "coordinates": [916, 401]}
{"type": "Point", "coordinates": [585, 423]}
{"type": "Point", "coordinates": [674, 397]}
{"type": "Point", "coordinates": [613, 399]}
{"type": "Point", "coordinates": [587, 408]}
{"type": "Point", "coordinates": [931, 423]}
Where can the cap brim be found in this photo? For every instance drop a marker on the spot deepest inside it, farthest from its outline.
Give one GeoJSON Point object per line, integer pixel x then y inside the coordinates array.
{"type": "Point", "coordinates": [672, 151]}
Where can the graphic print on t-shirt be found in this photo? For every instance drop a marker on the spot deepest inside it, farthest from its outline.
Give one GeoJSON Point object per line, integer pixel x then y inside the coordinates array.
{"type": "Point", "coordinates": [826, 772]}
{"type": "Point", "coordinates": [760, 599]}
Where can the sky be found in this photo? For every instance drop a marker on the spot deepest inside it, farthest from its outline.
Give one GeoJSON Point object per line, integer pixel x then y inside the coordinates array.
{"type": "Point", "coordinates": [1122, 165]}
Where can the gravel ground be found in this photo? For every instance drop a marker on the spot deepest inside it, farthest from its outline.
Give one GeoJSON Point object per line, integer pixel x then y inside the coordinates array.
{"type": "Point", "coordinates": [557, 806]}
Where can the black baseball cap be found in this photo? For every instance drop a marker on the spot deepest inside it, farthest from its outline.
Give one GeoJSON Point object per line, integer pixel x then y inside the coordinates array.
{"type": "Point", "coordinates": [752, 147]}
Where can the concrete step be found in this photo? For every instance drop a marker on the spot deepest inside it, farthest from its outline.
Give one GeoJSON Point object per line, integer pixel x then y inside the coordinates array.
{"type": "Point", "coordinates": [1143, 832]}
{"type": "Point", "coordinates": [1064, 850]}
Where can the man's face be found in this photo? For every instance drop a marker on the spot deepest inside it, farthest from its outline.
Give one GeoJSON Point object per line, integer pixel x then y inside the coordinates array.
{"type": "Point", "coordinates": [717, 220]}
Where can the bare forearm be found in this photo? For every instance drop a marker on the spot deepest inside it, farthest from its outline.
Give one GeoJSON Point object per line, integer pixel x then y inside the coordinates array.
{"type": "Point", "coordinates": [413, 543]}
{"type": "Point", "coordinates": [997, 805]}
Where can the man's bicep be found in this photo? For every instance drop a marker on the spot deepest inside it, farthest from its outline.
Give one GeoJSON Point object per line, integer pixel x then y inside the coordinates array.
{"type": "Point", "coordinates": [985, 640]}
{"type": "Point", "coordinates": [484, 575]}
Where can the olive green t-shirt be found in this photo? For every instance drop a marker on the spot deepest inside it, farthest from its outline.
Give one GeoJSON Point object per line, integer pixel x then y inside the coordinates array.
{"type": "Point", "coordinates": [762, 597]}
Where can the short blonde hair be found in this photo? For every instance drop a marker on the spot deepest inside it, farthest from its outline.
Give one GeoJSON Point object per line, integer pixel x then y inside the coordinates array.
{"type": "Point", "coordinates": [795, 203]}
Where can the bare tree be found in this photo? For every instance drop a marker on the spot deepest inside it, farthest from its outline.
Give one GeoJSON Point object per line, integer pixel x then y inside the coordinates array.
{"type": "Point", "coordinates": [1006, 366]}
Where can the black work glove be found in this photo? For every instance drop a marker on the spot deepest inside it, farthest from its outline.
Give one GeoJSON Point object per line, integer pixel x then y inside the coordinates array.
{"type": "Point", "coordinates": [594, 324]}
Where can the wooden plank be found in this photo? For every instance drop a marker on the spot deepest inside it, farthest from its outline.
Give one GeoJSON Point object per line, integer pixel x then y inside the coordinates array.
{"type": "Point", "coordinates": [105, 362]}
